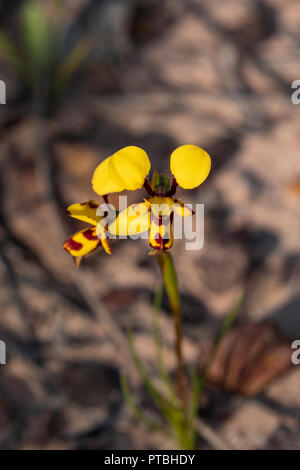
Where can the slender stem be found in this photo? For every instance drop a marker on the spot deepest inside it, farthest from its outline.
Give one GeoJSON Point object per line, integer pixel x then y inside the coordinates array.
{"type": "Point", "coordinates": [178, 348]}
{"type": "Point", "coordinates": [171, 285]}
{"type": "Point", "coordinates": [158, 345]}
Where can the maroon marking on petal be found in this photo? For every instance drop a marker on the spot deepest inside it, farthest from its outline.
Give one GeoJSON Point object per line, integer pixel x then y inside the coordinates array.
{"type": "Point", "coordinates": [72, 244]}
{"type": "Point", "coordinates": [93, 205]}
{"type": "Point", "coordinates": [157, 242]}
{"type": "Point", "coordinates": [89, 234]}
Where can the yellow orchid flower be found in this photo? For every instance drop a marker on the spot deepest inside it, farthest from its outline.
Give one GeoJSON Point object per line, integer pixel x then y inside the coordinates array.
{"type": "Point", "coordinates": [129, 168]}
{"type": "Point", "coordinates": [86, 241]}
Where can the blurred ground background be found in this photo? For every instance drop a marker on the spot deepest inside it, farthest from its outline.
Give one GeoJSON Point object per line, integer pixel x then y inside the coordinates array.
{"type": "Point", "coordinates": [158, 74]}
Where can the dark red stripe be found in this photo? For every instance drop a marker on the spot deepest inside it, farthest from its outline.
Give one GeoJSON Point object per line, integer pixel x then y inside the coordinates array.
{"type": "Point", "coordinates": [71, 244]}
{"type": "Point", "coordinates": [89, 234]}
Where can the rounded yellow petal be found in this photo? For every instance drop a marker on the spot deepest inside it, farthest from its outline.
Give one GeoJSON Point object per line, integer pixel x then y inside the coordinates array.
{"type": "Point", "coordinates": [125, 169]}
{"type": "Point", "coordinates": [102, 182]}
{"type": "Point", "coordinates": [190, 165]}
{"type": "Point", "coordinates": [129, 167]}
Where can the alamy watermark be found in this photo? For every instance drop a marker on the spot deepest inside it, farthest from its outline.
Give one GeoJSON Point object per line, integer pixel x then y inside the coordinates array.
{"type": "Point", "coordinates": [295, 96]}
{"type": "Point", "coordinates": [296, 353]}
{"type": "Point", "coordinates": [2, 352]}
{"type": "Point", "coordinates": [2, 92]}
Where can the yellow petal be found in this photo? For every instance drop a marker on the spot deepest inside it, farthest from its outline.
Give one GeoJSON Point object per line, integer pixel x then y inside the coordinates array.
{"type": "Point", "coordinates": [181, 209]}
{"type": "Point", "coordinates": [190, 165]}
{"type": "Point", "coordinates": [134, 220]}
{"type": "Point", "coordinates": [125, 169]}
{"type": "Point", "coordinates": [102, 182]}
{"type": "Point", "coordinates": [85, 211]}
{"type": "Point", "coordinates": [82, 243]}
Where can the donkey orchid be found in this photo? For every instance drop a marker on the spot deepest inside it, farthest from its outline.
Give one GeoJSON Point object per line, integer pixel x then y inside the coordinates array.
{"type": "Point", "coordinates": [129, 168]}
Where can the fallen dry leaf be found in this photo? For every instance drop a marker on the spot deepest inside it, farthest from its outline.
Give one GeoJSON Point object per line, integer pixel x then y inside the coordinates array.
{"type": "Point", "coordinates": [248, 358]}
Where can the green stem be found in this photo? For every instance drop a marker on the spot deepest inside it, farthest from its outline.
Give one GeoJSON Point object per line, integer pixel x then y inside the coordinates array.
{"type": "Point", "coordinates": [158, 345]}
{"type": "Point", "coordinates": [170, 280]}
